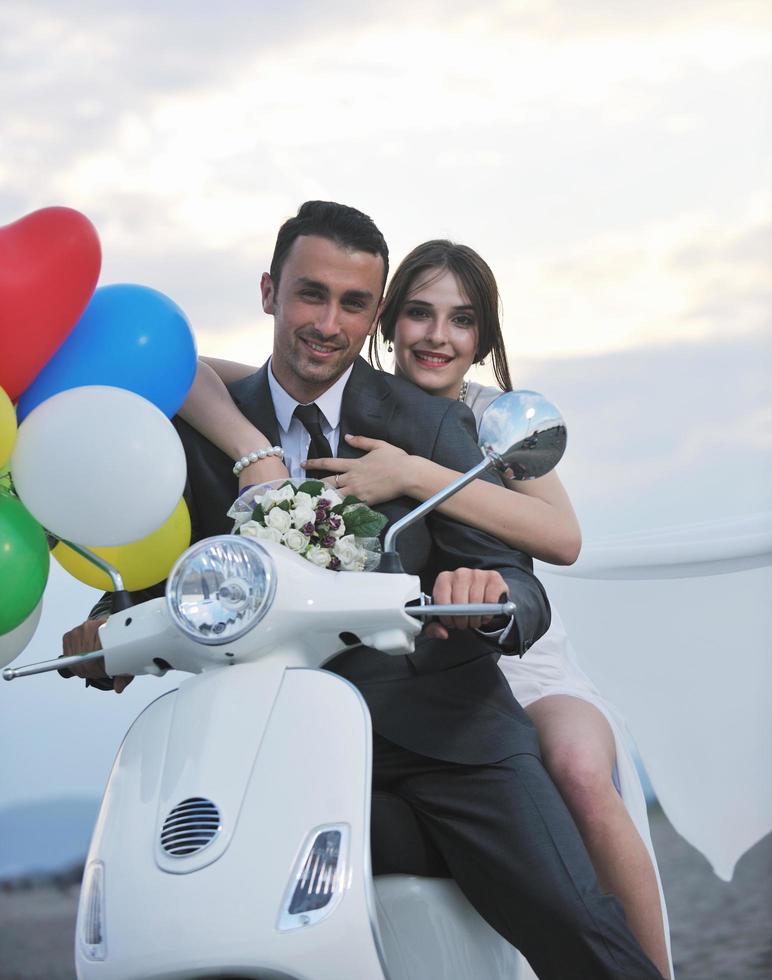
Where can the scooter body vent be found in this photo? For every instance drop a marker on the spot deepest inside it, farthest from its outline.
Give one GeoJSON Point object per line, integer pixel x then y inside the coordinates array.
{"type": "Point", "coordinates": [190, 827]}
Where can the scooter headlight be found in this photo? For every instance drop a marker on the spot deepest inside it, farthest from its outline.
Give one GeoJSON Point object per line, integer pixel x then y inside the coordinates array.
{"type": "Point", "coordinates": [220, 588]}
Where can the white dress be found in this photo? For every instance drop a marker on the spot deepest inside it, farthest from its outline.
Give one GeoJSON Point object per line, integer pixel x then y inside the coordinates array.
{"type": "Point", "coordinates": [551, 667]}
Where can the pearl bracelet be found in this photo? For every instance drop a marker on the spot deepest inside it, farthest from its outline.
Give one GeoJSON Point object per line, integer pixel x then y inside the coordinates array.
{"type": "Point", "coordinates": [255, 457]}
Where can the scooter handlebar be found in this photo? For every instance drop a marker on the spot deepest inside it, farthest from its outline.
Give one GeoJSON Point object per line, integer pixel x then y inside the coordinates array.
{"type": "Point", "coordinates": [464, 609]}
{"type": "Point", "coordinates": [11, 673]}
{"type": "Point", "coordinates": [487, 609]}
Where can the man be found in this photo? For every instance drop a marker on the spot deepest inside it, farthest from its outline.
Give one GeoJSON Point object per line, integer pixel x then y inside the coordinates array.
{"type": "Point", "coordinates": [450, 739]}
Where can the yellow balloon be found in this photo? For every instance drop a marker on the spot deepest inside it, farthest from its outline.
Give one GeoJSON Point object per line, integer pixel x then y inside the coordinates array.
{"type": "Point", "coordinates": [7, 428]}
{"type": "Point", "coordinates": [141, 563]}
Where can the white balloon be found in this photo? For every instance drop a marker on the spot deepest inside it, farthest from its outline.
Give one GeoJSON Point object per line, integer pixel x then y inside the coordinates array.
{"type": "Point", "coordinates": [98, 465]}
{"type": "Point", "coordinates": [12, 644]}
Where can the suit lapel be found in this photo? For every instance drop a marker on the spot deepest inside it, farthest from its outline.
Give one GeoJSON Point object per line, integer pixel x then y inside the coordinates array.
{"type": "Point", "coordinates": [253, 396]}
{"type": "Point", "coordinates": [367, 408]}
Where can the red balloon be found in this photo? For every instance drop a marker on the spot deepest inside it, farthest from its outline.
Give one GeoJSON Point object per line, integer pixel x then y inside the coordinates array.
{"type": "Point", "coordinates": [49, 266]}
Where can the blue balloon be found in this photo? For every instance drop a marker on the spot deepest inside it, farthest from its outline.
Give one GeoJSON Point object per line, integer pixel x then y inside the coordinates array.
{"type": "Point", "coordinates": [129, 337]}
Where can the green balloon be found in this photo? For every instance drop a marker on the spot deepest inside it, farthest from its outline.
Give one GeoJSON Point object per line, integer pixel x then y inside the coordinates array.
{"type": "Point", "coordinates": [23, 562]}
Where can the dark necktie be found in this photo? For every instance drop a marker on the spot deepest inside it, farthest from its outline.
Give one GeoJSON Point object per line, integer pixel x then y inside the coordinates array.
{"type": "Point", "coordinates": [311, 418]}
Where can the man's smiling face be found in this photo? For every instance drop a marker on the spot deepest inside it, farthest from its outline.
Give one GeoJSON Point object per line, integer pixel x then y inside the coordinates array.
{"type": "Point", "coordinates": [325, 306]}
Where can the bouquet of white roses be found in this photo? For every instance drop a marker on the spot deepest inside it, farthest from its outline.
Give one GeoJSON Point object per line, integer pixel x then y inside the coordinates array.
{"type": "Point", "coordinates": [313, 520]}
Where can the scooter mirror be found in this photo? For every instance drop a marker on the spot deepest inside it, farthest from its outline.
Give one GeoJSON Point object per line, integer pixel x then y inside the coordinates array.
{"type": "Point", "coordinates": [520, 432]}
{"type": "Point", "coordinates": [524, 432]}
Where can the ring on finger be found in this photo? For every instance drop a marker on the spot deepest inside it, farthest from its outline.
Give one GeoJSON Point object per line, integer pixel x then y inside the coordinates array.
{"type": "Point", "coordinates": [337, 479]}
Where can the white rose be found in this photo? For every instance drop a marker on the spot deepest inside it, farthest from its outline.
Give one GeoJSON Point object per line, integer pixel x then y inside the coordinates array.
{"type": "Point", "coordinates": [279, 519]}
{"type": "Point", "coordinates": [263, 533]}
{"type": "Point", "coordinates": [318, 556]}
{"type": "Point", "coordinates": [254, 530]}
{"type": "Point", "coordinates": [253, 496]}
{"type": "Point", "coordinates": [346, 548]}
{"type": "Point", "coordinates": [273, 497]}
{"type": "Point", "coordinates": [250, 528]}
{"type": "Point", "coordinates": [286, 493]}
{"type": "Point", "coordinates": [331, 496]}
{"type": "Point", "coordinates": [295, 540]}
{"type": "Point", "coordinates": [302, 516]}
{"type": "Point", "coordinates": [304, 500]}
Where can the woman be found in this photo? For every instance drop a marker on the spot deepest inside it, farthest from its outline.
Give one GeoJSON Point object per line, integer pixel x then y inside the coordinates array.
{"type": "Point", "coordinates": [440, 315]}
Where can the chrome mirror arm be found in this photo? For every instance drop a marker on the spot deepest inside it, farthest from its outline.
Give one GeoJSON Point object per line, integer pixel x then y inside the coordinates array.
{"type": "Point", "coordinates": [121, 598]}
{"type": "Point", "coordinates": [101, 563]}
{"type": "Point", "coordinates": [390, 558]}
{"type": "Point", "coordinates": [521, 433]}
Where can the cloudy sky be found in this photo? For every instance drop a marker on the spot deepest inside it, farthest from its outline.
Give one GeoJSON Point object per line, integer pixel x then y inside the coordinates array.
{"type": "Point", "coordinates": [610, 160]}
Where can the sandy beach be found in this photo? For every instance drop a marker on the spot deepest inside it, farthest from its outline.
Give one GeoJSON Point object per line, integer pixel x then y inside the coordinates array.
{"type": "Point", "coordinates": [720, 931]}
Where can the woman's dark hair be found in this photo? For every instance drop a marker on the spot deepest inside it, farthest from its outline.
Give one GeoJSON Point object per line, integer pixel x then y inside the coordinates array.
{"type": "Point", "coordinates": [477, 282]}
{"type": "Point", "coordinates": [339, 223]}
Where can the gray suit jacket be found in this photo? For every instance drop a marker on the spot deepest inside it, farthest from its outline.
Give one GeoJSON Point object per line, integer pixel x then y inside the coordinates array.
{"type": "Point", "coordinates": [448, 700]}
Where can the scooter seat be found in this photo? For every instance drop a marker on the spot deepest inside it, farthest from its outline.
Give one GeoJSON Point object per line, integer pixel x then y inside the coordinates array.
{"type": "Point", "coordinates": [399, 843]}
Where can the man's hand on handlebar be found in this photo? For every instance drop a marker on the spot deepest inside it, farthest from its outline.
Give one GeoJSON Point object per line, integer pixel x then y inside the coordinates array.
{"type": "Point", "coordinates": [85, 639]}
{"type": "Point", "coordinates": [461, 586]}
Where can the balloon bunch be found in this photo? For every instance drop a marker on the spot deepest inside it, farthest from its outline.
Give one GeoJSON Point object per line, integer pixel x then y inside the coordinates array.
{"type": "Point", "coordinates": [88, 454]}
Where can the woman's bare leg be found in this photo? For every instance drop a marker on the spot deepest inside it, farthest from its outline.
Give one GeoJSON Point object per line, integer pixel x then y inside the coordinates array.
{"type": "Point", "coordinates": [578, 751]}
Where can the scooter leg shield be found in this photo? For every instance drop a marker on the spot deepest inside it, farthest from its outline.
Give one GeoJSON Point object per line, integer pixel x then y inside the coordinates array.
{"type": "Point", "coordinates": [274, 765]}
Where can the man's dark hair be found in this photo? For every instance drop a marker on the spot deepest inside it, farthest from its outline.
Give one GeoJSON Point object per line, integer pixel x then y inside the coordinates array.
{"type": "Point", "coordinates": [342, 225]}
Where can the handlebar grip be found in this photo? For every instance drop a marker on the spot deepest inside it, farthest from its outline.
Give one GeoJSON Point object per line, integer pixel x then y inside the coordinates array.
{"type": "Point", "coordinates": [464, 609]}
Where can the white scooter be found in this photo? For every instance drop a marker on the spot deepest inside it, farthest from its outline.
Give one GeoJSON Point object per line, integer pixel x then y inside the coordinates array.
{"type": "Point", "coordinates": [233, 839]}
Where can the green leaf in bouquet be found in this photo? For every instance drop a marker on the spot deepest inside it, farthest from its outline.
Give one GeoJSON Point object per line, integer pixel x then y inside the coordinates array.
{"type": "Point", "coordinates": [284, 505]}
{"type": "Point", "coordinates": [348, 501]}
{"type": "Point", "coordinates": [363, 522]}
{"type": "Point", "coordinates": [258, 514]}
{"type": "Point", "coordinates": [312, 487]}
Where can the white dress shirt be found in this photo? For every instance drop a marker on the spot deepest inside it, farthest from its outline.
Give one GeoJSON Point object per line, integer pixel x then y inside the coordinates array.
{"type": "Point", "coordinates": [293, 435]}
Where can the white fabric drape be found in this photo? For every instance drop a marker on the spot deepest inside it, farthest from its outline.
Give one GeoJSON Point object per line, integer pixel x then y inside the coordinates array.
{"type": "Point", "coordinates": [674, 627]}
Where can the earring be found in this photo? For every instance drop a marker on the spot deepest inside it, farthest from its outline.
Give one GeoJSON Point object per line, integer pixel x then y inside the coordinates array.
{"type": "Point", "coordinates": [389, 348]}
{"type": "Point", "coordinates": [482, 362]}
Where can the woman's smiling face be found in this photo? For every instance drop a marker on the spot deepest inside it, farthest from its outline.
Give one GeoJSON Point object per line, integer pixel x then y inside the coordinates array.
{"type": "Point", "coordinates": [436, 334]}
